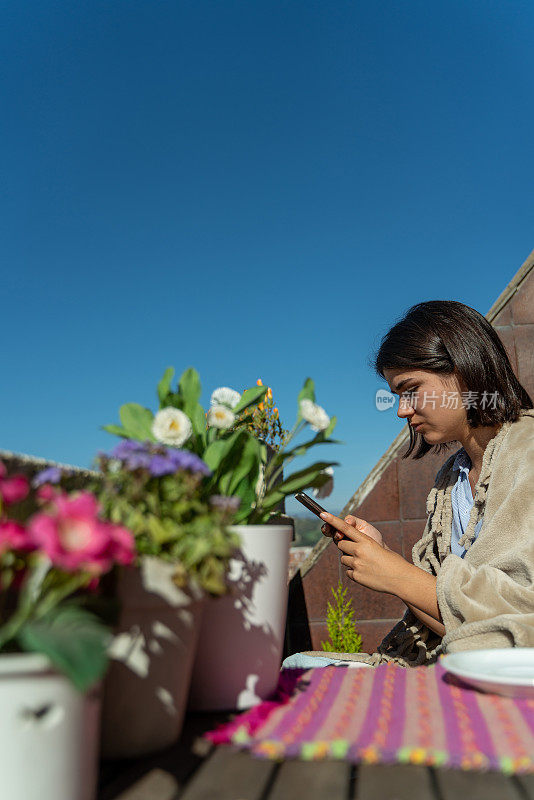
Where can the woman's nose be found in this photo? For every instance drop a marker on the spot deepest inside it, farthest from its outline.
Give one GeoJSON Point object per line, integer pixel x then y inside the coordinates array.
{"type": "Point", "coordinates": [404, 410]}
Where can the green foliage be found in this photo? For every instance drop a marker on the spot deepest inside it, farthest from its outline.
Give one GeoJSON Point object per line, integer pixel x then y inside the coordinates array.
{"type": "Point", "coordinates": [136, 423]}
{"type": "Point", "coordinates": [250, 397]}
{"type": "Point", "coordinates": [74, 640]}
{"type": "Point", "coordinates": [238, 455]}
{"type": "Point", "coordinates": [171, 517]}
{"type": "Point", "coordinates": [164, 386]}
{"type": "Point", "coordinates": [343, 636]}
{"type": "Point", "coordinates": [38, 613]}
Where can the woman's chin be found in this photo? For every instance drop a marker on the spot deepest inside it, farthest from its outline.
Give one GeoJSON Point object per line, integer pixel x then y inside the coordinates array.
{"type": "Point", "coordinates": [431, 437]}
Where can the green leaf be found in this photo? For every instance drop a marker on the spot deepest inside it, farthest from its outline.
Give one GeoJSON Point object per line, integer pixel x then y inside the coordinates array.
{"type": "Point", "coordinates": [232, 458]}
{"type": "Point", "coordinates": [217, 450]}
{"type": "Point", "coordinates": [303, 448]}
{"type": "Point", "coordinates": [197, 551]}
{"type": "Point", "coordinates": [161, 530]}
{"type": "Point", "coordinates": [246, 491]}
{"type": "Point", "coordinates": [116, 430]}
{"type": "Point", "coordinates": [306, 393]}
{"type": "Point", "coordinates": [73, 639]}
{"type": "Point", "coordinates": [224, 453]}
{"type": "Point", "coordinates": [174, 400]}
{"type": "Point", "coordinates": [198, 420]}
{"type": "Point", "coordinates": [189, 390]}
{"type": "Point", "coordinates": [189, 387]}
{"type": "Point", "coordinates": [250, 397]}
{"type": "Point", "coordinates": [328, 432]}
{"type": "Point", "coordinates": [164, 385]}
{"type": "Point", "coordinates": [303, 479]}
{"type": "Point", "coordinates": [137, 421]}
{"type": "Point", "coordinates": [33, 584]}
{"type": "Point", "coordinates": [248, 466]}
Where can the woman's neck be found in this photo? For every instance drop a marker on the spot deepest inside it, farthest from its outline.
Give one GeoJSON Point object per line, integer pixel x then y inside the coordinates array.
{"type": "Point", "coordinates": [475, 442]}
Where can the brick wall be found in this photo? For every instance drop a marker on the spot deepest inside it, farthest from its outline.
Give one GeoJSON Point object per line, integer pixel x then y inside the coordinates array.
{"type": "Point", "coordinates": [397, 501]}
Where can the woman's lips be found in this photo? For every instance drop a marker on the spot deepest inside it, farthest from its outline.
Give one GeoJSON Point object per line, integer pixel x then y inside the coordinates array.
{"type": "Point", "coordinates": [416, 426]}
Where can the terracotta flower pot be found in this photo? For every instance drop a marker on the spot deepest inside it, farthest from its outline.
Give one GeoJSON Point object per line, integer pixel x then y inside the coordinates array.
{"type": "Point", "coordinates": [146, 688]}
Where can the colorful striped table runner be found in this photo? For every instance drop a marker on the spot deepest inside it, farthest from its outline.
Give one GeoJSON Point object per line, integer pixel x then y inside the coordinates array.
{"type": "Point", "coordinates": [388, 715]}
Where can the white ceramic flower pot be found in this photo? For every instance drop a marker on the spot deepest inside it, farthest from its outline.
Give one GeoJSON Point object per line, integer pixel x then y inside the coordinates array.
{"type": "Point", "coordinates": [48, 732]}
{"type": "Point", "coordinates": [242, 635]}
{"type": "Point", "coordinates": [146, 688]}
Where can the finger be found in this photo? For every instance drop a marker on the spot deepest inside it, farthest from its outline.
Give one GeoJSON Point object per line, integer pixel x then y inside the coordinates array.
{"type": "Point", "coordinates": [364, 527]}
{"type": "Point", "coordinates": [341, 525]}
{"type": "Point", "coordinates": [338, 537]}
{"type": "Point", "coordinates": [346, 561]}
{"type": "Point", "coordinates": [356, 522]}
{"type": "Point", "coordinates": [347, 546]}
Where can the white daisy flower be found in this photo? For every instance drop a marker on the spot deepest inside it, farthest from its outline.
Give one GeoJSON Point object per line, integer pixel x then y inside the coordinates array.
{"type": "Point", "coordinates": [171, 426]}
{"type": "Point", "coordinates": [327, 488]}
{"type": "Point", "coordinates": [220, 417]}
{"type": "Point", "coordinates": [223, 396]}
{"type": "Point", "coordinates": [315, 415]}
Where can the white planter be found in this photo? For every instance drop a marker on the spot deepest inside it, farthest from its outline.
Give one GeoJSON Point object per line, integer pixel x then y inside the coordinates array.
{"type": "Point", "coordinates": [146, 688]}
{"type": "Point", "coordinates": [48, 732]}
{"type": "Point", "coordinates": [242, 635]}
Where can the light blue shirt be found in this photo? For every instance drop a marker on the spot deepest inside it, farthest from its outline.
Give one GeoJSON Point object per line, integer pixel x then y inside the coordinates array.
{"type": "Point", "coordinates": [462, 503]}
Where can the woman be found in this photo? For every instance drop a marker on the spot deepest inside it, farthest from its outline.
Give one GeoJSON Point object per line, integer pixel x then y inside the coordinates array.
{"type": "Point", "coordinates": [471, 584]}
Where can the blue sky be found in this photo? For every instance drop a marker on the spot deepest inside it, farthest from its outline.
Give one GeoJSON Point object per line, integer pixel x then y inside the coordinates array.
{"type": "Point", "coordinates": [254, 189]}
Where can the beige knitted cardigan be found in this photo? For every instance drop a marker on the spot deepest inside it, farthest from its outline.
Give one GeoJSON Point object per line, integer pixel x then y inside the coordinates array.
{"type": "Point", "coordinates": [486, 599]}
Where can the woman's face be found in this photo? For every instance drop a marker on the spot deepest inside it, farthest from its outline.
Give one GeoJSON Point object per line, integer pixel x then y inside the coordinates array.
{"type": "Point", "coordinates": [433, 404]}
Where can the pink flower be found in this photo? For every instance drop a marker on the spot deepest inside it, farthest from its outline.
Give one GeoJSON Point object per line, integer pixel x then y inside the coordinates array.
{"type": "Point", "coordinates": [14, 489]}
{"type": "Point", "coordinates": [122, 544]}
{"type": "Point", "coordinates": [73, 537]}
{"type": "Point", "coordinates": [46, 493]}
{"type": "Point", "coordinates": [14, 536]}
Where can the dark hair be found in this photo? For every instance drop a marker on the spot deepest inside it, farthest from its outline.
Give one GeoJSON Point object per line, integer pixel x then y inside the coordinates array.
{"type": "Point", "coordinates": [445, 336]}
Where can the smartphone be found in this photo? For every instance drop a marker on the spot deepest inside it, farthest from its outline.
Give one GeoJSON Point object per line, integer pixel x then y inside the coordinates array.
{"type": "Point", "coordinates": [310, 504]}
{"type": "Point", "coordinates": [315, 508]}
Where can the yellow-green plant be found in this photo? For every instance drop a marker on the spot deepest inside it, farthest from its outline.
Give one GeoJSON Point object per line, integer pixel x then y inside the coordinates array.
{"type": "Point", "coordinates": [264, 422]}
{"type": "Point", "coordinates": [343, 636]}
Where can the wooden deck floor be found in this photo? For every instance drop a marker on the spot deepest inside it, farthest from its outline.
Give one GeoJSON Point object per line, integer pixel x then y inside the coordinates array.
{"type": "Point", "coordinates": [194, 770]}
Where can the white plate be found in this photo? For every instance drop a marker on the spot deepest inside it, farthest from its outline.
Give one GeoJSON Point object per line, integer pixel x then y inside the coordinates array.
{"type": "Point", "coordinates": [507, 671]}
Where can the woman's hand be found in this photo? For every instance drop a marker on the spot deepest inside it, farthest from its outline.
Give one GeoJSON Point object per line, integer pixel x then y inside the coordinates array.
{"type": "Point", "coordinates": [367, 559]}
{"type": "Point", "coordinates": [370, 562]}
{"type": "Point", "coordinates": [360, 525]}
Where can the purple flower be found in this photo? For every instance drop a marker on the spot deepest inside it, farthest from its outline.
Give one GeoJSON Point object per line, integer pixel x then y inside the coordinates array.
{"type": "Point", "coordinates": [48, 475]}
{"type": "Point", "coordinates": [126, 448]}
{"type": "Point", "coordinates": [183, 459]}
{"type": "Point", "coordinates": [137, 461]}
{"type": "Point", "coordinates": [157, 458]}
{"type": "Point", "coordinates": [225, 503]}
{"type": "Point", "coordinates": [161, 465]}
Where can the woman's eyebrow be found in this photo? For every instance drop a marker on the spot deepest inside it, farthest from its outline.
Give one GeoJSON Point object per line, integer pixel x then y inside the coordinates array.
{"type": "Point", "coordinates": [402, 383]}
